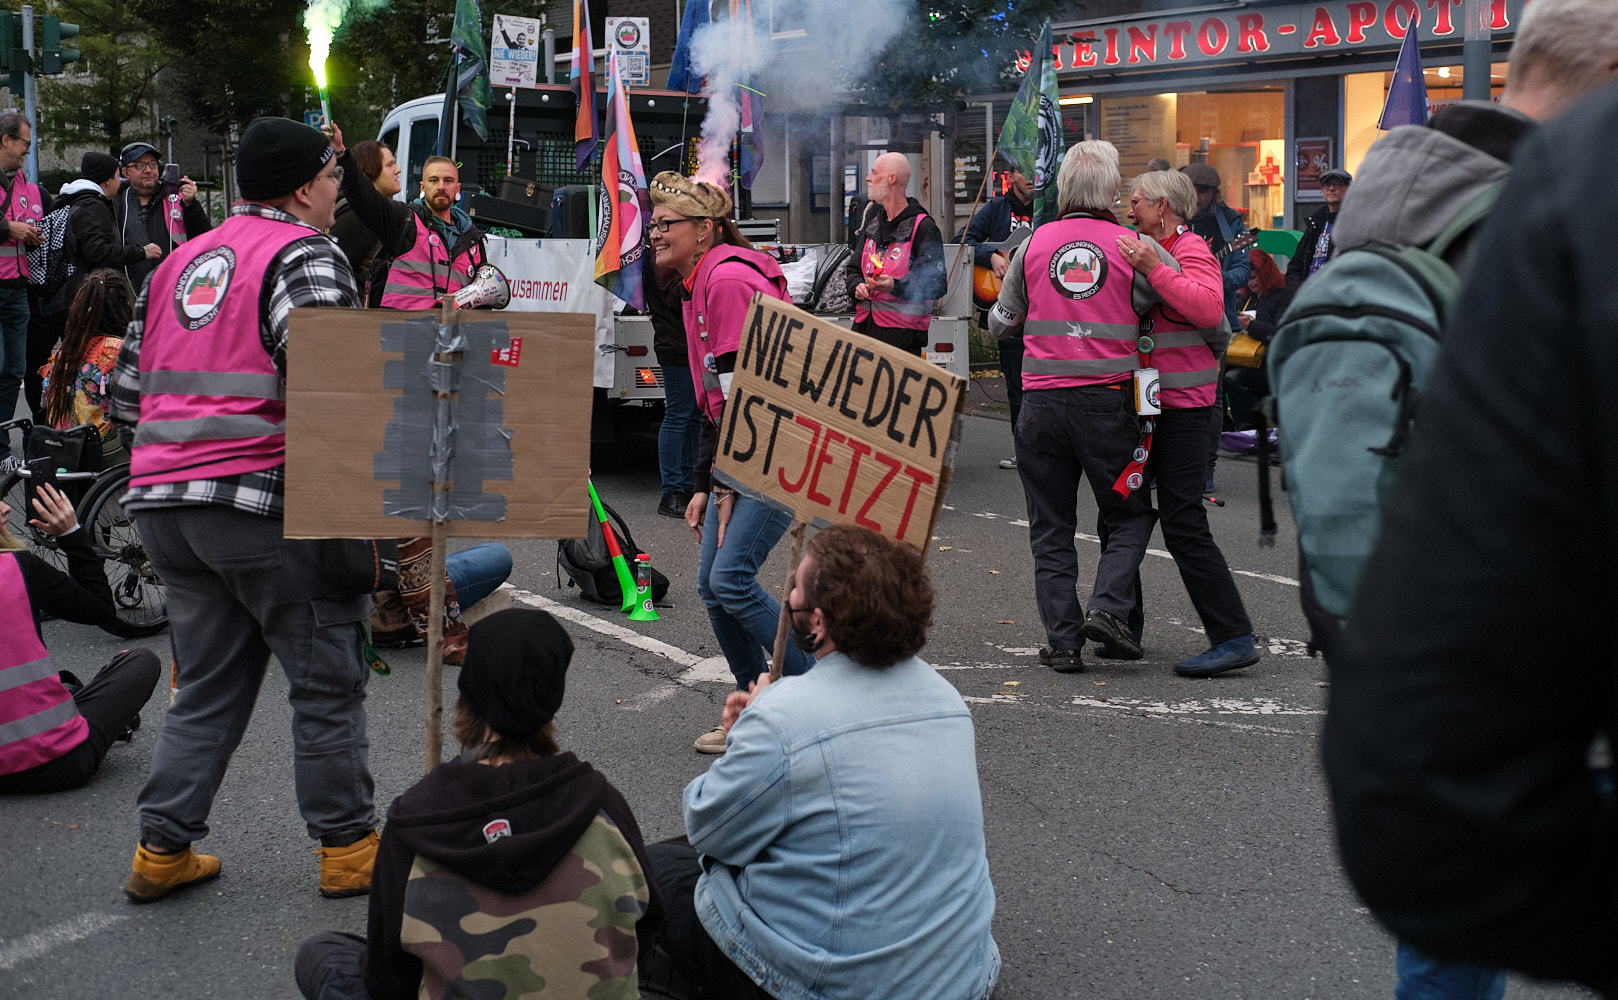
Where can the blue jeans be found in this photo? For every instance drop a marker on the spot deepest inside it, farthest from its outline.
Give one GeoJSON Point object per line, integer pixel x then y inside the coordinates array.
{"type": "Point", "coordinates": [744, 617]}
{"type": "Point", "coordinates": [13, 353]}
{"type": "Point", "coordinates": [1422, 977]}
{"type": "Point", "coordinates": [680, 438]}
{"type": "Point", "coordinates": [477, 571]}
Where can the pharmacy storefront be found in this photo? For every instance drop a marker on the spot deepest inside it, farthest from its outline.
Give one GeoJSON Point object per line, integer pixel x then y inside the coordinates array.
{"type": "Point", "coordinates": [1269, 94]}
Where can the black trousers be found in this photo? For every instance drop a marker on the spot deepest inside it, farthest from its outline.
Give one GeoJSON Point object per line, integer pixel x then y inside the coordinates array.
{"type": "Point", "coordinates": [331, 966]}
{"type": "Point", "coordinates": [681, 959]}
{"type": "Point", "coordinates": [107, 703]}
{"type": "Point", "coordinates": [1244, 387]}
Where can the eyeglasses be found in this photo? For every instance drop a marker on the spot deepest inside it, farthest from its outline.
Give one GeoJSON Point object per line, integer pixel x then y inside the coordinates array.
{"type": "Point", "coordinates": [337, 174]}
{"type": "Point", "coordinates": [27, 144]}
{"type": "Point", "coordinates": [144, 166]}
{"type": "Point", "coordinates": [664, 225]}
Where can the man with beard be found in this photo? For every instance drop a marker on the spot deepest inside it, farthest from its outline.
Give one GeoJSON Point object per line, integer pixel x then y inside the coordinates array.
{"type": "Point", "coordinates": [897, 267]}
{"type": "Point", "coordinates": [432, 244]}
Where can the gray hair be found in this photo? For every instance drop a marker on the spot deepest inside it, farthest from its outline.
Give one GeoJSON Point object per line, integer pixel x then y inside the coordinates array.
{"type": "Point", "coordinates": [11, 124]}
{"type": "Point", "coordinates": [1173, 185]}
{"type": "Point", "coordinates": [1088, 178]}
{"type": "Point", "coordinates": [1563, 49]}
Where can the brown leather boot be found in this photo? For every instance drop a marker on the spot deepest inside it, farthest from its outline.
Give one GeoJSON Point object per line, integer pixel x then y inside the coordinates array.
{"type": "Point", "coordinates": [346, 871]}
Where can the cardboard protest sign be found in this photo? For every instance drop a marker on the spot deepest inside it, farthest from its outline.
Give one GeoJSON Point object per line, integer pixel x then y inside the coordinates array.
{"type": "Point", "coordinates": [837, 427]}
{"type": "Point", "coordinates": [339, 408]}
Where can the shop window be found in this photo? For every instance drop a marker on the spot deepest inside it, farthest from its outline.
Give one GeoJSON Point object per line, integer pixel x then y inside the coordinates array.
{"type": "Point", "coordinates": [1364, 95]}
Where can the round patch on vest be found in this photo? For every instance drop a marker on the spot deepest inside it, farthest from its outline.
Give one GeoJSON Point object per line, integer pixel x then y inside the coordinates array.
{"type": "Point", "coordinates": [1134, 480]}
{"type": "Point", "coordinates": [895, 253]}
{"type": "Point", "coordinates": [1078, 270]}
{"type": "Point", "coordinates": [1140, 454]}
{"type": "Point", "coordinates": [200, 292]}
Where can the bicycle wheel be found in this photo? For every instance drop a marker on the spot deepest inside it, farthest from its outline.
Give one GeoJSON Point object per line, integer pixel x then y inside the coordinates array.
{"type": "Point", "coordinates": [14, 491]}
{"type": "Point", "coordinates": [140, 597]}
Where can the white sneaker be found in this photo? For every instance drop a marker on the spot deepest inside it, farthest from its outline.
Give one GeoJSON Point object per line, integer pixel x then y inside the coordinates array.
{"type": "Point", "coordinates": [712, 741]}
{"type": "Point", "coordinates": [1008, 463]}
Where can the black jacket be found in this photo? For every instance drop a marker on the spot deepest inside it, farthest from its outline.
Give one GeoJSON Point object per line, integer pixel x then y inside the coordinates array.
{"type": "Point", "coordinates": [663, 298]}
{"type": "Point", "coordinates": [92, 241]}
{"type": "Point", "coordinates": [1298, 266]}
{"type": "Point", "coordinates": [991, 225]}
{"type": "Point", "coordinates": [79, 595]}
{"type": "Point", "coordinates": [927, 278]}
{"type": "Point", "coordinates": [1460, 755]}
{"type": "Point", "coordinates": [138, 228]}
{"type": "Point", "coordinates": [392, 222]}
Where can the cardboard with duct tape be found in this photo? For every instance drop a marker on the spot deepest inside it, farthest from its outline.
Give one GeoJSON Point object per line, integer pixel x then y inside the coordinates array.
{"type": "Point", "coordinates": [839, 428]}
{"type": "Point", "coordinates": [356, 447]}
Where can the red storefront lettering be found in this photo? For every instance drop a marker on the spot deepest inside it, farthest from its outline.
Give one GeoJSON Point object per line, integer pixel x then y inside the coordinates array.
{"type": "Point", "coordinates": [1390, 20]}
{"type": "Point", "coordinates": [1444, 25]}
{"type": "Point", "coordinates": [1251, 37]}
{"type": "Point", "coordinates": [1111, 58]}
{"type": "Point", "coordinates": [1177, 30]}
{"type": "Point", "coordinates": [1143, 43]}
{"type": "Point", "coordinates": [1324, 32]}
{"type": "Point", "coordinates": [1056, 54]}
{"type": "Point", "coordinates": [1360, 17]}
{"type": "Point", "coordinates": [1500, 22]}
{"type": "Point", "coordinates": [1083, 55]}
{"type": "Point", "coordinates": [1212, 36]}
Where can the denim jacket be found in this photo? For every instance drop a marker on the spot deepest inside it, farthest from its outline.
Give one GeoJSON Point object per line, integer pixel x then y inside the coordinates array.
{"type": "Point", "coordinates": [842, 839]}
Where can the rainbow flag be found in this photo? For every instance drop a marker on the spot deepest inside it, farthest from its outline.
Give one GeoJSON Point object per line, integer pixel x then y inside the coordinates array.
{"type": "Point", "coordinates": [625, 206]}
{"type": "Point", "coordinates": [582, 80]}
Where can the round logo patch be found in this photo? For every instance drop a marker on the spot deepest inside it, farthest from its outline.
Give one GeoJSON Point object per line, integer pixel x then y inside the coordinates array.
{"type": "Point", "coordinates": [1140, 454]}
{"type": "Point", "coordinates": [1078, 270]}
{"type": "Point", "coordinates": [628, 34]}
{"type": "Point", "coordinates": [1134, 480]}
{"type": "Point", "coordinates": [202, 286]}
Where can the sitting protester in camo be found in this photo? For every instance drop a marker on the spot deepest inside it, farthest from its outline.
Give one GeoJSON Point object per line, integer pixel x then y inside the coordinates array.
{"type": "Point", "coordinates": [516, 870]}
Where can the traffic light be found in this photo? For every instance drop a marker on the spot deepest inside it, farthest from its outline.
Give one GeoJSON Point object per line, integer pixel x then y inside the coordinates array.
{"type": "Point", "coordinates": [52, 56]}
{"type": "Point", "coordinates": [165, 126]}
{"type": "Point", "coordinates": [13, 57]}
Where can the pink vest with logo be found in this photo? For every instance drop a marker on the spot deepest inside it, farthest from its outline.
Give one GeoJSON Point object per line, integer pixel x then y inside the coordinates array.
{"type": "Point", "coordinates": [422, 274]}
{"type": "Point", "coordinates": [23, 206]}
{"type": "Point", "coordinates": [1187, 365]}
{"type": "Point", "coordinates": [1081, 327]}
{"type": "Point", "coordinates": [174, 219]}
{"type": "Point", "coordinates": [711, 329]}
{"type": "Point", "coordinates": [211, 401]}
{"type": "Point", "coordinates": [892, 262]}
{"type": "Point", "coordinates": [38, 720]}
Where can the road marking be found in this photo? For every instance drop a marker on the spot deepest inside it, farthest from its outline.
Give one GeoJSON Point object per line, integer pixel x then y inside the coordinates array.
{"type": "Point", "coordinates": [698, 668]}
{"type": "Point", "coordinates": [1198, 706]}
{"type": "Point", "coordinates": [48, 940]}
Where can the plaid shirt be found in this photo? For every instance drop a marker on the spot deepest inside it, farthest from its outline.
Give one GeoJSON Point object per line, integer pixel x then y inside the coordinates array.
{"type": "Point", "coordinates": [311, 271]}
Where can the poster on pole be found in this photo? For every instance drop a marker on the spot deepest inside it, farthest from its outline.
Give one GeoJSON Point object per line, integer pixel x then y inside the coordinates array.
{"type": "Point", "coordinates": [514, 51]}
{"type": "Point", "coordinates": [631, 40]}
{"type": "Point", "coordinates": [837, 427]}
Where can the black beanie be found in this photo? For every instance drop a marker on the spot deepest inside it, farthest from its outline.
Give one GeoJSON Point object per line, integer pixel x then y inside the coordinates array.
{"type": "Point", "coordinates": [98, 167]}
{"type": "Point", "coordinates": [516, 663]}
{"type": "Point", "coordinates": [277, 156]}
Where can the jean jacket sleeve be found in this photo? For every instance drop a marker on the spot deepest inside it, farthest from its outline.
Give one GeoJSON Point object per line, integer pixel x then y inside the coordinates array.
{"type": "Point", "coordinates": [735, 810]}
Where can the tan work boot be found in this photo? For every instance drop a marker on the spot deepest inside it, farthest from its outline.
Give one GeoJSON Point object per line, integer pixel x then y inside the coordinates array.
{"type": "Point", "coordinates": [712, 741]}
{"type": "Point", "coordinates": [153, 875]}
{"type": "Point", "coordinates": [346, 871]}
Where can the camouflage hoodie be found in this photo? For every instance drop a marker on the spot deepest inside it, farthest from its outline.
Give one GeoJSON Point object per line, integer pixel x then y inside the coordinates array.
{"type": "Point", "coordinates": [528, 879]}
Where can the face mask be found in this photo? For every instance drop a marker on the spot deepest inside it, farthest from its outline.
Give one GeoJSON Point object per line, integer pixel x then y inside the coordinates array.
{"type": "Point", "coordinates": [808, 642]}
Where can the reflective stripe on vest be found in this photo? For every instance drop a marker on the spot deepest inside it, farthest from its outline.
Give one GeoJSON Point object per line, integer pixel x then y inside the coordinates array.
{"type": "Point", "coordinates": [1081, 328]}
{"type": "Point", "coordinates": [38, 720]}
{"type": "Point", "coordinates": [421, 274]}
{"type": "Point", "coordinates": [894, 262]}
{"type": "Point", "coordinates": [1187, 367]}
{"type": "Point", "coordinates": [23, 206]}
{"type": "Point", "coordinates": [212, 401]}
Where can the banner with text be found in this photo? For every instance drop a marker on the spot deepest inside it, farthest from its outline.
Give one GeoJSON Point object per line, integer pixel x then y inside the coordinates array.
{"type": "Point", "coordinates": [837, 427]}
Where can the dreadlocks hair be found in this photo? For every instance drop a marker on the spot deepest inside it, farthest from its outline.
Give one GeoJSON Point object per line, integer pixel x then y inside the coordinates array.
{"type": "Point", "coordinates": [102, 308]}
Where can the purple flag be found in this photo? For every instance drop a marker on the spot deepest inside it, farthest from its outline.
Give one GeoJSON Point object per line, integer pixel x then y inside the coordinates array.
{"type": "Point", "coordinates": [1407, 94]}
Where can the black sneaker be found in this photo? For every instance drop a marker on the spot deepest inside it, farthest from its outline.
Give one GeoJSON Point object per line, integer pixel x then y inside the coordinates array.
{"type": "Point", "coordinates": [1063, 661]}
{"type": "Point", "coordinates": [674, 504]}
{"type": "Point", "coordinates": [1105, 627]}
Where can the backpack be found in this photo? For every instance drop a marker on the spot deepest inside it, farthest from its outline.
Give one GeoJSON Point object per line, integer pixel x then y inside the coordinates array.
{"type": "Point", "coordinates": [47, 263]}
{"type": "Point", "coordinates": [1347, 366]}
{"type": "Point", "coordinates": [588, 564]}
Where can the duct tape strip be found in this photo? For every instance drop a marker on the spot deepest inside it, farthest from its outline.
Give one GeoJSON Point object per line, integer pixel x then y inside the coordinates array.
{"type": "Point", "coordinates": [445, 437]}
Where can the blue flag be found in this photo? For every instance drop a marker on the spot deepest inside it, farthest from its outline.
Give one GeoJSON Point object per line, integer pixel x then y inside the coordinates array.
{"type": "Point", "coordinates": [681, 74]}
{"type": "Point", "coordinates": [1407, 94]}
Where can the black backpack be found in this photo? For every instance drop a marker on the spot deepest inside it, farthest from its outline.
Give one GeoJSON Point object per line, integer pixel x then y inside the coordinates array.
{"type": "Point", "coordinates": [588, 564]}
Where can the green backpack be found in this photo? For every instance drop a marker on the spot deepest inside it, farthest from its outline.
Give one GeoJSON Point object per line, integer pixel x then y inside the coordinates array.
{"type": "Point", "coordinates": [1346, 368]}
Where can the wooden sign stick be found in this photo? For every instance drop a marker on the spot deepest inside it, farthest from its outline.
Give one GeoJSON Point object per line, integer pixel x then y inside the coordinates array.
{"type": "Point", "coordinates": [785, 624]}
{"type": "Point", "coordinates": [435, 610]}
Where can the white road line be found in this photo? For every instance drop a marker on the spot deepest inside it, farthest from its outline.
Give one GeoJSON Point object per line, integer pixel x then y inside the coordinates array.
{"type": "Point", "coordinates": [48, 940]}
{"type": "Point", "coordinates": [1198, 706]}
{"type": "Point", "coordinates": [698, 668]}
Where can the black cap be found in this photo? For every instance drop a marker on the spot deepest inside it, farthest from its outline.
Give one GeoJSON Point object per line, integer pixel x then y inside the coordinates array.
{"type": "Point", "coordinates": [135, 151]}
{"type": "Point", "coordinates": [516, 665]}
{"type": "Point", "coordinates": [277, 156]}
{"type": "Point", "coordinates": [1336, 175]}
{"type": "Point", "coordinates": [98, 167]}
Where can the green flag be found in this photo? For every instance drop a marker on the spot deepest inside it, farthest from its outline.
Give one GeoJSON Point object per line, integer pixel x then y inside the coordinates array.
{"type": "Point", "coordinates": [472, 68]}
{"type": "Point", "coordinates": [1031, 138]}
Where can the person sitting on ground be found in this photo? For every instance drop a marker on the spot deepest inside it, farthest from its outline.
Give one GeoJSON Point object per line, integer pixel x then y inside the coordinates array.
{"type": "Point", "coordinates": [400, 620]}
{"type": "Point", "coordinates": [836, 851]}
{"type": "Point", "coordinates": [75, 379]}
{"type": "Point", "coordinates": [514, 868]}
{"type": "Point", "coordinates": [1266, 299]}
{"type": "Point", "coordinates": [54, 740]}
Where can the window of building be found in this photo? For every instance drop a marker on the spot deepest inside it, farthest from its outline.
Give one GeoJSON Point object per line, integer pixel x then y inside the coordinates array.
{"type": "Point", "coordinates": [1365, 94]}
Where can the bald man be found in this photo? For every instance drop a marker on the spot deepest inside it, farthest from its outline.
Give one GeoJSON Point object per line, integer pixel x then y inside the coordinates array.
{"type": "Point", "coordinates": [897, 268]}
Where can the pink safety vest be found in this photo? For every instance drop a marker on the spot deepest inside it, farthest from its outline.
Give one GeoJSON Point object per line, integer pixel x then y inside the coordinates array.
{"type": "Point", "coordinates": [211, 402]}
{"type": "Point", "coordinates": [710, 334]}
{"type": "Point", "coordinates": [420, 275]}
{"type": "Point", "coordinates": [1187, 365]}
{"type": "Point", "coordinates": [1081, 327]}
{"type": "Point", "coordinates": [174, 219]}
{"type": "Point", "coordinates": [38, 720]}
{"type": "Point", "coordinates": [23, 206]}
{"type": "Point", "coordinates": [892, 261]}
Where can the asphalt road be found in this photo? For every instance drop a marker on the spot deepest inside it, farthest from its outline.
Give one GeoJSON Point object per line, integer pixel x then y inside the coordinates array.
{"type": "Point", "coordinates": [1149, 836]}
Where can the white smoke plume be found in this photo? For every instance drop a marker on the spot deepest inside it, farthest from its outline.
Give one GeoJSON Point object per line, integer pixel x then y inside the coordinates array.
{"type": "Point", "coordinates": [322, 20]}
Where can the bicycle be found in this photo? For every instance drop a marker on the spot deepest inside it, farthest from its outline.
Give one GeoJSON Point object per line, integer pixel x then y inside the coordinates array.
{"type": "Point", "coordinates": [138, 594]}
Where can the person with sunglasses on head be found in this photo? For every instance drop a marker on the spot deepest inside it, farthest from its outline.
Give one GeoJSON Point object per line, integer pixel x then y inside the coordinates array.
{"type": "Point", "coordinates": [720, 273]}
{"type": "Point", "coordinates": [199, 397]}
{"type": "Point", "coordinates": [150, 211]}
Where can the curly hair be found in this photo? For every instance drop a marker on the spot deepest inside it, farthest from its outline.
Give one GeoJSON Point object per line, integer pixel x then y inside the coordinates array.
{"type": "Point", "coordinates": [873, 592]}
